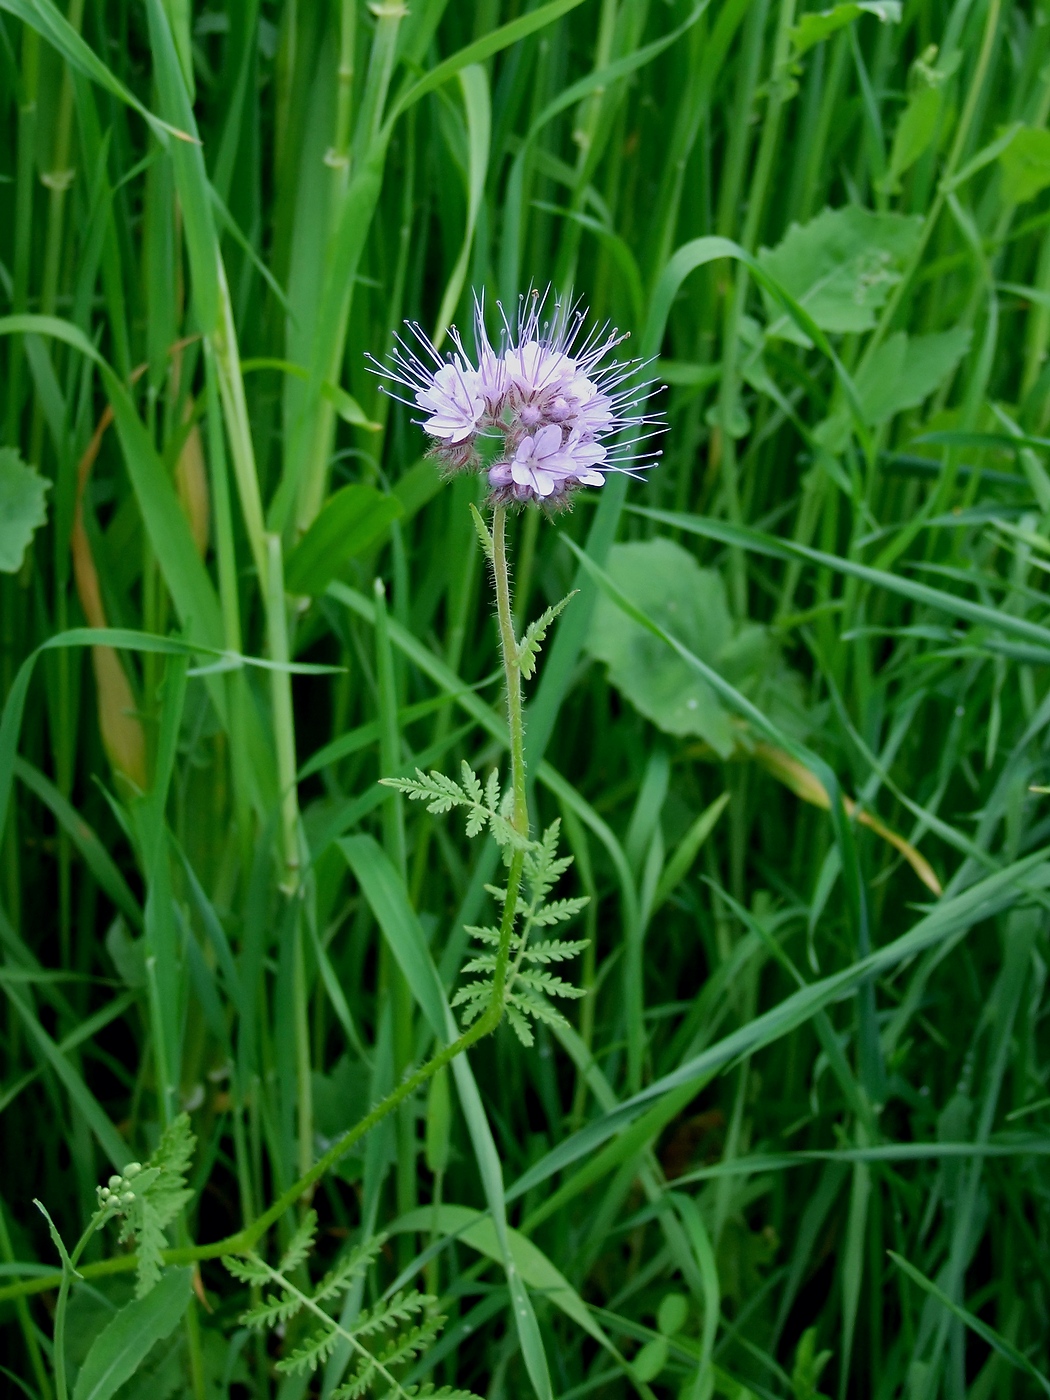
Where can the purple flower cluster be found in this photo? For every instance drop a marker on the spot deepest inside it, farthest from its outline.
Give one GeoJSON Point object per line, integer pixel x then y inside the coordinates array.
{"type": "Point", "coordinates": [548, 404]}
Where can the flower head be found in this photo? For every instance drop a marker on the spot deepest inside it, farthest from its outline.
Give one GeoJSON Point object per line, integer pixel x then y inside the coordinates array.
{"type": "Point", "coordinates": [567, 413]}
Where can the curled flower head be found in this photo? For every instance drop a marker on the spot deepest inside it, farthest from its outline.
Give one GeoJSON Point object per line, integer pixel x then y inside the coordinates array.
{"type": "Point", "coordinates": [561, 412]}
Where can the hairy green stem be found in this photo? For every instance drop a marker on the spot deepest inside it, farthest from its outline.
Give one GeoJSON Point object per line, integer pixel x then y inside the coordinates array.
{"type": "Point", "coordinates": [516, 725]}
{"type": "Point", "coordinates": [511, 668]}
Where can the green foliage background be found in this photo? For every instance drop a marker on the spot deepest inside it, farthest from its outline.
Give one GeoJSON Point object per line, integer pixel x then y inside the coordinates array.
{"type": "Point", "coordinates": [794, 724]}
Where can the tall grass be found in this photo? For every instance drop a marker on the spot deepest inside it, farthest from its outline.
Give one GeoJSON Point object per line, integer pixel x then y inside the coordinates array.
{"type": "Point", "coordinates": [795, 1140]}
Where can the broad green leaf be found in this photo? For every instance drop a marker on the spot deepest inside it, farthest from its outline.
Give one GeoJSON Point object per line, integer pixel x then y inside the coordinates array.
{"type": "Point", "coordinates": [665, 581]}
{"type": "Point", "coordinates": [352, 520]}
{"type": "Point", "coordinates": [683, 375]}
{"type": "Point", "coordinates": [1026, 165]}
{"type": "Point", "coordinates": [127, 954]}
{"type": "Point", "coordinates": [840, 267]}
{"type": "Point", "coordinates": [22, 508]}
{"type": "Point", "coordinates": [904, 371]}
{"type": "Point", "coordinates": [349, 410]}
{"type": "Point", "coordinates": [122, 1346]}
{"type": "Point", "coordinates": [814, 27]}
{"type": "Point", "coordinates": [420, 484]}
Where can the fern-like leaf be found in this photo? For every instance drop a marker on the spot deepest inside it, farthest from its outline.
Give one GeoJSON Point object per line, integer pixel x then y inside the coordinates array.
{"type": "Point", "coordinates": [312, 1353]}
{"type": "Point", "coordinates": [144, 1225]}
{"type": "Point", "coordinates": [272, 1311]}
{"type": "Point", "coordinates": [520, 1025]}
{"type": "Point", "coordinates": [250, 1270]}
{"type": "Point", "coordinates": [301, 1244]}
{"type": "Point", "coordinates": [489, 934]}
{"type": "Point", "coordinates": [548, 984]}
{"type": "Point", "coordinates": [475, 996]}
{"type": "Point", "coordinates": [530, 644]}
{"type": "Point", "coordinates": [362, 1378]}
{"type": "Point", "coordinates": [339, 1279]}
{"type": "Point", "coordinates": [485, 962]}
{"type": "Point", "coordinates": [441, 794]}
{"type": "Point", "coordinates": [553, 950]}
{"type": "Point", "coordinates": [396, 1329]}
{"type": "Point", "coordinates": [531, 1005]}
{"type": "Point", "coordinates": [410, 1343]}
{"type": "Point", "coordinates": [484, 534]}
{"type": "Point", "coordinates": [499, 894]}
{"type": "Point", "coordinates": [558, 912]}
{"type": "Point", "coordinates": [385, 1316]}
{"type": "Point", "coordinates": [172, 1159]}
{"type": "Point", "coordinates": [471, 785]}
{"type": "Point", "coordinates": [492, 794]}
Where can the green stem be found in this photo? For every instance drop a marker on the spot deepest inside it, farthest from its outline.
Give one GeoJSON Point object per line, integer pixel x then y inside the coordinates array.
{"type": "Point", "coordinates": [69, 1269]}
{"type": "Point", "coordinates": [511, 669]}
{"type": "Point", "coordinates": [516, 725]}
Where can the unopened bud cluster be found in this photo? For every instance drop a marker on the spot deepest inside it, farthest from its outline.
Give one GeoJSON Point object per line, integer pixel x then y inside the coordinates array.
{"type": "Point", "coordinates": [117, 1194]}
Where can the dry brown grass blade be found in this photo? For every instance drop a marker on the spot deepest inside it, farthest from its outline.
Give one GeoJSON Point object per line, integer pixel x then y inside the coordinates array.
{"type": "Point", "coordinates": [802, 783]}
{"type": "Point", "coordinates": [122, 734]}
{"type": "Point", "coordinates": [191, 477]}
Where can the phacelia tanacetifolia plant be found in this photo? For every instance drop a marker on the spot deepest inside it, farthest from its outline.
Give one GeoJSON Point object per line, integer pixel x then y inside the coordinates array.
{"type": "Point", "coordinates": [548, 414]}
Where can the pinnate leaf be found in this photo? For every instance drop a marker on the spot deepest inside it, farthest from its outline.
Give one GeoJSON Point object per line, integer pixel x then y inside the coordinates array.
{"type": "Point", "coordinates": [529, 647]}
